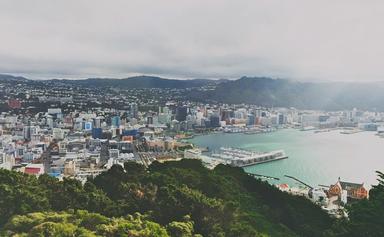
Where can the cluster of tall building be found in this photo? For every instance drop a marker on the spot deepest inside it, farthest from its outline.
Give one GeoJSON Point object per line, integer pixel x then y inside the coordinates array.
{"type": "Point", "coordinates": [84, 143]}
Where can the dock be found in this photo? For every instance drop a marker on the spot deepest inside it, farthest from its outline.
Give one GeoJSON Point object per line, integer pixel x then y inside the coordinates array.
{"type": "Point", "coordinates": [263, 176]}
{"type": "Point", "coordinates": [298, 180]}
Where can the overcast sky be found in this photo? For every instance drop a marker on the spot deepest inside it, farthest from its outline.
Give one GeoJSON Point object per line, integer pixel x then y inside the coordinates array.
{"type": "Point", "coordinates": [333, 40]}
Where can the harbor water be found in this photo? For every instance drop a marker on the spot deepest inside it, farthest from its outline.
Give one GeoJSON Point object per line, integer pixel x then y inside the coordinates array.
{"type": "Point", "coordinates": [315, 158]}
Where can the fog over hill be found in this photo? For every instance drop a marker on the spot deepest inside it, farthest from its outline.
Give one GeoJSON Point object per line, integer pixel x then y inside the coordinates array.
{"type": "Point", "coordinates": [305, 95]}
{"type": "Point", "coordinates": [6, 77]}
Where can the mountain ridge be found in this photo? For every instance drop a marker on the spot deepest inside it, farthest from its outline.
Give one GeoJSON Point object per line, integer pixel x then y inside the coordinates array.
{"type": "Point", "coordinates": [263, 91]}
{"type": "Point", "coordinates": [9, 77]}
{"type": "Point", "coordinates": [303, 95]}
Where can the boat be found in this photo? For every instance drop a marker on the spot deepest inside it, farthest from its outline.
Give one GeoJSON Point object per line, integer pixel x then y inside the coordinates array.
{"type": "Point", "coordinates": [381, 135]}
{"type": "Point", "coordinates": [350, 131]}
{"type": "Point", "coordinates": [260, 130]}
{"type": "Point", "coordinates": [240, 158]}
{"type": "Point", "coordinates": [233, 129]}
{"type": "Point", "coordinates": [322, 130]}
{"type": "Point", "coordinates": [251, 132]}
{"type": "Point", "coordinates": [307, 128]}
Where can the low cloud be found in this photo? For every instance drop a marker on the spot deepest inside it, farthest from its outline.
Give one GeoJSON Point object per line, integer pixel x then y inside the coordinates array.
{"type": "Point", "coordinates": [302, 40]}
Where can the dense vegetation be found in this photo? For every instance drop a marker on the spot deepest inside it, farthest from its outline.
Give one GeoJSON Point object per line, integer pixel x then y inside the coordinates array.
{"type": "Point", "coordinates": [175, 199]}
{"type": "Point", "coordinates": [141, 82]}
{"type": "Point", "coordinates": [83, 223]}
{"type": "Point", "coordinates": [366, 217]}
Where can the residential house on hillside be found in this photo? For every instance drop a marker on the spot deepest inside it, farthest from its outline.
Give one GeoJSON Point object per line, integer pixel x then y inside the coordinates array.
{"type": "Point", "coordinates": [353, 191]}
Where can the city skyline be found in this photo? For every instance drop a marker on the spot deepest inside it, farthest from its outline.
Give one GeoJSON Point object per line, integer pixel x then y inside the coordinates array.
{"type": "Point", "coordinates": [180, 118]}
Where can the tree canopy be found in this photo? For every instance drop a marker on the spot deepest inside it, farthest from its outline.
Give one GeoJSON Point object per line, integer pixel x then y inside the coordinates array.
{"type": "Point", "coordinates": [180, 198]}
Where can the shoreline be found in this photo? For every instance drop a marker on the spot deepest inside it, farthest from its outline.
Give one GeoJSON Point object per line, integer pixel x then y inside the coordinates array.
{"type": "Point", "coordinates": [311, 154]}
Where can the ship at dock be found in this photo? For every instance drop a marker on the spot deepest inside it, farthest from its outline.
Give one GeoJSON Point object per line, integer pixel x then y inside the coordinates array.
{"type": "Point", "coordinates": [240, 158]}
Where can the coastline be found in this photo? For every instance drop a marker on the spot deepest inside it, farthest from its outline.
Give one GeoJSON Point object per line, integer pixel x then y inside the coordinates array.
{"type": "Point", "coordinates": [310, 155]}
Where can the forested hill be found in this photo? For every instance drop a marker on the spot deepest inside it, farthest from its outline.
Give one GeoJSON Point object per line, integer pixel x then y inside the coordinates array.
{"type": "Point", "coordinates": [10, 78]}
{"type": "Point", "coordinates": [303, 95]}
{"type": "Point", "coordinates": [141, 82]}
{"type": "Point", "coordinates": [175, 199]}
{"type": "Point", "coordinates": [172, 199]}
{"type": "Point", "coordinates": [125, 83]}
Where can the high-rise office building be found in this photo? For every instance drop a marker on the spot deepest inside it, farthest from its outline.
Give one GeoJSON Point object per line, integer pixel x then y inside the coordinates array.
{"type": "Point", "coordinates": [97, 121]}
{"type": "Point", "coordinates": [115, 121]}
{"type": "Point", "coordinates": [251, 120]}
{"type": "Point", "coordinates": [181, 113]}
{"type": "Point", "coordinates": [27, 133]}
{"type": "Point", "coordinates": [215, 121]}
{"type": "Point", "coordinates": [133, 110]}
{"type": "Point", "coordinates": [149, 120]}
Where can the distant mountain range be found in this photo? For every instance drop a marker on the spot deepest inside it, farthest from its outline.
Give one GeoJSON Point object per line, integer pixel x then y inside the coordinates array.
{"type": "Point", "coordinates": [254, 90]}
{"type": "Point", "coordinates": [142, 82]}
{"type": "Point", "coordinates": [6, 77]}
{"type": "Point", "coordinates": [126, 83]}
{"type": "Point", "coordinates": [305, 95]}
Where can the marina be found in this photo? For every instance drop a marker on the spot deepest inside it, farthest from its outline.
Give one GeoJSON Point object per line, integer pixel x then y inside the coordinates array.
{"type": "Point", "coordinates": [248, 130]}
{"type": "Point", "coordinates": [241, 158]}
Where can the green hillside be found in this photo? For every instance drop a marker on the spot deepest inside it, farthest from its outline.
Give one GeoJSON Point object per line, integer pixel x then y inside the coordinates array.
{"type": "Point", "coordinates": [174, 198]}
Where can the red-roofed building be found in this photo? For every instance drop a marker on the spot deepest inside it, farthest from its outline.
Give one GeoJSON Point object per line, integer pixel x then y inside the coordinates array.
{"type": "Point", "coordinates": [30, 170]}
{"type": "Point", "coordinates": [354, 190]}
{"type": "Point", "coordinates": [283, 187]}
{"type": "Point", "coordinates": [34, 169]}
{"type": "Point", "coordinates": [14, 104]}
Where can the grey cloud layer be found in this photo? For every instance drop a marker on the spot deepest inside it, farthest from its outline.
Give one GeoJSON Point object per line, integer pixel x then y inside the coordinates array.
{"type": "Point", "coordinates": [304, 40]}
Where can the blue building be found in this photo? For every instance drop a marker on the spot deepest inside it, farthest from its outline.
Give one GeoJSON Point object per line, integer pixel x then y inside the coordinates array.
{"type": "Point", "coordinates": [181, 113]}
{"type": "Point", "coordinates": [97, 133]}
{"type": "Point", "coordinates": [132, 132]}
{"type": "Point", "coordinates": [88, 126]}
{"type": "Point", "coordinates": [215, 121]}
{"type": "Point", "coordinates": [251, 120]}
{"type": "Point", "coordinates": [115, 121]}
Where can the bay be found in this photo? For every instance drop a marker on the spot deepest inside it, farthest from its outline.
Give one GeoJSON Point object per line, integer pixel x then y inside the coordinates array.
{"type": "Point", "coordinates": [315, 158]}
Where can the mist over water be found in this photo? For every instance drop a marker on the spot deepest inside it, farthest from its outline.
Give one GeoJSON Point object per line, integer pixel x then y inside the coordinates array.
{"type": "Point", "coordinates": [315, 158]}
